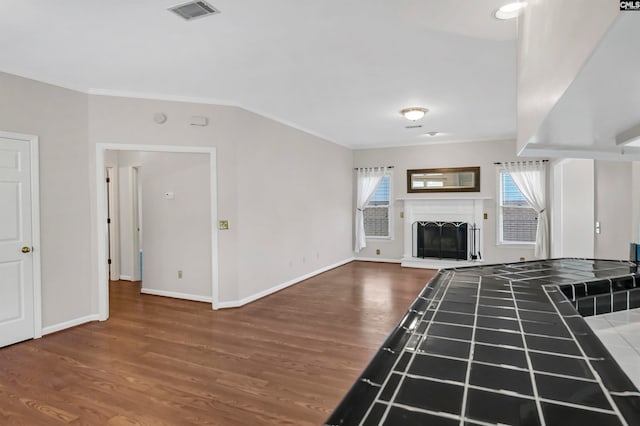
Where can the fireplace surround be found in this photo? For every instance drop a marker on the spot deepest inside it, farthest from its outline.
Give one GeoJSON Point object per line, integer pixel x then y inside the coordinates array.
{"type": "Point", "coordinates": [458, 209]}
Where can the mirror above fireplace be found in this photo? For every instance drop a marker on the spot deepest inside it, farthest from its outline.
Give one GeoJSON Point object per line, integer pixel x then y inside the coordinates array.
{"type": "Point", "coordinates": [456, 179]}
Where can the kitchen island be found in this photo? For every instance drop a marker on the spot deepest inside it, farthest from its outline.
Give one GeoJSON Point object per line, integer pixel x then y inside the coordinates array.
{"type": "Point", "coordinates": [503, 344]}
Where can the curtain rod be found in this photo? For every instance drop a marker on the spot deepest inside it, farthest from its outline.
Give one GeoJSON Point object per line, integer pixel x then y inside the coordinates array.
{"type": "Point", "coordinates": [498, 163]}
{"type": "Point", "coordinates": [356, 168]}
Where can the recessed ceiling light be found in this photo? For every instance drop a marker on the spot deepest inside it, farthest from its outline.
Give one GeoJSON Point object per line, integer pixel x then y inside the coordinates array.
{"type": "Point", "coordinates": [510, 10]}
{"type": "Point", "coordinates": [414, 113]}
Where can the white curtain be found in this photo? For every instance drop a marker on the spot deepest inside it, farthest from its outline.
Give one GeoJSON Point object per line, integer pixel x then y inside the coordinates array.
{"type": "Point", "coordinates": [529, 177]}
{"type": "Point", "coordinates": [368, 180]}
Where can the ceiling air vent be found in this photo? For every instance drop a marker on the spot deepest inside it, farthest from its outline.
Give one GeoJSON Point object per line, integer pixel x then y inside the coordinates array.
{"type": "Point", "coordinates": [194, 9]}
{"type": "Point", "coordinates": [414, 126]}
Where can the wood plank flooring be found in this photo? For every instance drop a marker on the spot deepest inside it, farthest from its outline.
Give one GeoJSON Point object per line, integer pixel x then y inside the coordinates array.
{"type": "Point", "coordinates": [286, 359]}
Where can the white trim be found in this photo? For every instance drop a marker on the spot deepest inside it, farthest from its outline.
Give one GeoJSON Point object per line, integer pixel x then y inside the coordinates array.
{"type": "Point", "coordinates": [111, 171]}
{"type": "Point", "coordinates": [256, 296]}
{"type": "Point", "coordinates": [71, 323]}
{"type": "Point", "coordinates": [103, 285]}
{"type": "Point", "coordinates": [414, 262]}
{"type": "Point", "coordinates": [125, 278]}
{"type": "Point", "coordinates": [176, 295]}
{"type": "Point", "coordinates": [34, 151]}
{"type": "Point", "coordinates": [377, 259]}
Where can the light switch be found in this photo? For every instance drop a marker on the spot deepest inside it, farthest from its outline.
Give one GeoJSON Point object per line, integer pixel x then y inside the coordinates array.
{"type": "Point", "coordinates": [223, 225]}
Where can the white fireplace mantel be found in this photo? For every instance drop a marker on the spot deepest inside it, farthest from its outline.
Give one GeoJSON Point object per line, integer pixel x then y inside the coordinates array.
{"type": "Point", "coordinates": [440, 209]}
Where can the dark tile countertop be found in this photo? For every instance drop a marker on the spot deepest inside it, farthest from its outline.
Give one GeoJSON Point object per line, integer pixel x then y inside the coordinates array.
{"type": "Point", "coordinates": [501, 344]}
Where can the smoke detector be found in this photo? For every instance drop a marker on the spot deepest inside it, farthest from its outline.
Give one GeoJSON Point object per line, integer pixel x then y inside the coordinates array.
{"type": "Point", "coordinates": [194, 9]}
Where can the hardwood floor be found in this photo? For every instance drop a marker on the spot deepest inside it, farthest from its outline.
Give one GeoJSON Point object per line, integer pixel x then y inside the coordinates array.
{"type": "Point", "coordinates": [285, 359]}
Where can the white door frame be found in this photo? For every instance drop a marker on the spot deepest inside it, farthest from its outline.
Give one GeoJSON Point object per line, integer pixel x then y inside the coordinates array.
{"type": "Point", "coordinates": [134, 201]}
{"type": "Point", "coordinates": [103, 284]}
{"type": "Point", "coordinates": [35, 225]}
{"type": "Point", "coordinates": [114, 210]}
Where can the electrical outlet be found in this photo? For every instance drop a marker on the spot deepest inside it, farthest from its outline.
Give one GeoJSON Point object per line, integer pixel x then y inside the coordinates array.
{"type": "Point", "coordinates": [179, 275]}
{"type": "Point", "coordinates": [401, 215]}
{"type": "Point", "coordinates": [378, 252]}
{"type": "Point", "coordinates": [522, 259]}
{"type": "Point", "coordinates": [223, 225]}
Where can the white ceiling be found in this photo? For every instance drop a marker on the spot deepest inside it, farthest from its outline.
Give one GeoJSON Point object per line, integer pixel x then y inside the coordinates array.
{"type": "Point", "coordinates": [338, 69]}
{"type": "Point", "coordinates": [599, 112]}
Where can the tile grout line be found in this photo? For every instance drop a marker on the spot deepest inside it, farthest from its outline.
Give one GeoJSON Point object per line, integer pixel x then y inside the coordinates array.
{"type": "Point", "coordinates": [471, 353]}
{"type": "Point", "coordinates": [529, 363]}
{"type": "Point", "coordinates": [591, 367]}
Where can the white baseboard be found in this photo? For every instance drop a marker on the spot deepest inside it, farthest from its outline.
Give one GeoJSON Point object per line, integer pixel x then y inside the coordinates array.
{"type": "Point", "coordinates": [125, 278]}
{"type": "Point", "coordinates": [68, 324]}
{"type": "Point", "coordinates": [176, 295]}
{"type": "Point", "coordinates": [378, 259]}
{"type": "Point", "coordinates": [254, 297]}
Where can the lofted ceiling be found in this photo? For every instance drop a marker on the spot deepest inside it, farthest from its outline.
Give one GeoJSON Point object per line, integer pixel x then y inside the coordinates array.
{"type": "Point", "coordinates": [341, 70]}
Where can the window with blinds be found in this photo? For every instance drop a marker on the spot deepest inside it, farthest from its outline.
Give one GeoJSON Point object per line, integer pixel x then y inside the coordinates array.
{"type": "Point", "coordinates": [377, 213]}
{"type": "Point", "coordinates": [518, 221]}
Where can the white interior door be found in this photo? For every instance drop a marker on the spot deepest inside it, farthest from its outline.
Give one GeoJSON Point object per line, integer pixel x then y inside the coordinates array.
{"type": "Point", "coordinates": [16, 258]}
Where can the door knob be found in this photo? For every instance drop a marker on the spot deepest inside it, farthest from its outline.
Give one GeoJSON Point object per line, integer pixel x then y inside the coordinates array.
{"type": "Point", "coordinates": [26, 249]}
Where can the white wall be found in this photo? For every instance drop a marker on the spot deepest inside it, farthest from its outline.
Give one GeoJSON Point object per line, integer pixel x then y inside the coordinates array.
{"type": "Point", "coordinates": [586, 191]}
{"type": "Point", "coordinates": [613, 209]}
{"type": "Point", "coordinates": [294, 189]}
{"type": "Point", "coordinates": [177, 232]}
{"type": "Point", "coordinates": [125, 217]}
{"type": "Point", "coordinates": [481, 153]}
{"type": "Point", "coordinates": [59, 117]}
{"type": "Point", "coordinates": [573, 233]}
{"type": "Point", "coordinates": [286, 194]}
{"type": "Point", "coordinates": [635, 202]}
{"type": "Point", "coordinates": [555, 38]}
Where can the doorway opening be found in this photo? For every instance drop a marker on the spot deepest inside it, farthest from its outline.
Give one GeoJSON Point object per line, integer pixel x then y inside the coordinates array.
{"type": "Point", "coordinates": [166, 204]}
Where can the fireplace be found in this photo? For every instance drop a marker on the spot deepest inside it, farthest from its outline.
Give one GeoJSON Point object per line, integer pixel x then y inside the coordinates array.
{"type": "Point", "coordinates": [456, 250]}
{"type": "Point", "coordinates": [441, 240]}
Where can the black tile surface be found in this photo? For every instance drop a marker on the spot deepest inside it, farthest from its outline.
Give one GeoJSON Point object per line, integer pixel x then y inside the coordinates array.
{"type": "Point", "coordinates": [514, 321]}
{"type": "Point", "coordinates": [454, 318]}
{"type": "Point", "coordinates": [555, 414]}
{"type": "Point", "coordinates": [580, 392]}
{"type": "Point", "coordinates": [430, 395]}
{"type": "Point", "coordinates": [498, 323]}
{"type": "Point", "coordinates": [558, 346]}
{"type": "Point", "coordinates": [446, 347]}
{"type": "Point", "coordinates": [438, 367]}
{"type": "Point", "coordinates": [451, 331]}
{"type": "Point", "coordinates": [560, 365]}
{"type": "Point", "coordinates": [400, 416]}
{"type": "Point", "coordinates": [496, 337]}
{"type": "Point", "coordinates": [500, 378]}
{"type": "Point", "coordinates": [505, 409]}
{"type": "Point", "coordinates": [500, 356]}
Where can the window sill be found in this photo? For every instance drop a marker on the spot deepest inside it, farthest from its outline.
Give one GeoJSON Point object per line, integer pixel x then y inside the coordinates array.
{"type": "Point", "coordinates": [516, 245]}
{"type": "Point", "coordinates": [379, 238]}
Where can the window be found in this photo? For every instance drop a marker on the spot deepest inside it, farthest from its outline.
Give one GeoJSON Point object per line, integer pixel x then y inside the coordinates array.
{"type": "Point", "coordinates": [376, 214]}
{"type": "Point", "coordinates": [517, 220]}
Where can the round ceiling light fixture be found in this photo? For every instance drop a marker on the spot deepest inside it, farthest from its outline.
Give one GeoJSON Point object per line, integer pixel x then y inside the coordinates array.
{"type": "Point", "coordinates": [414, 113]}
{"type": "Point", "coordinates": [510, 10]}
